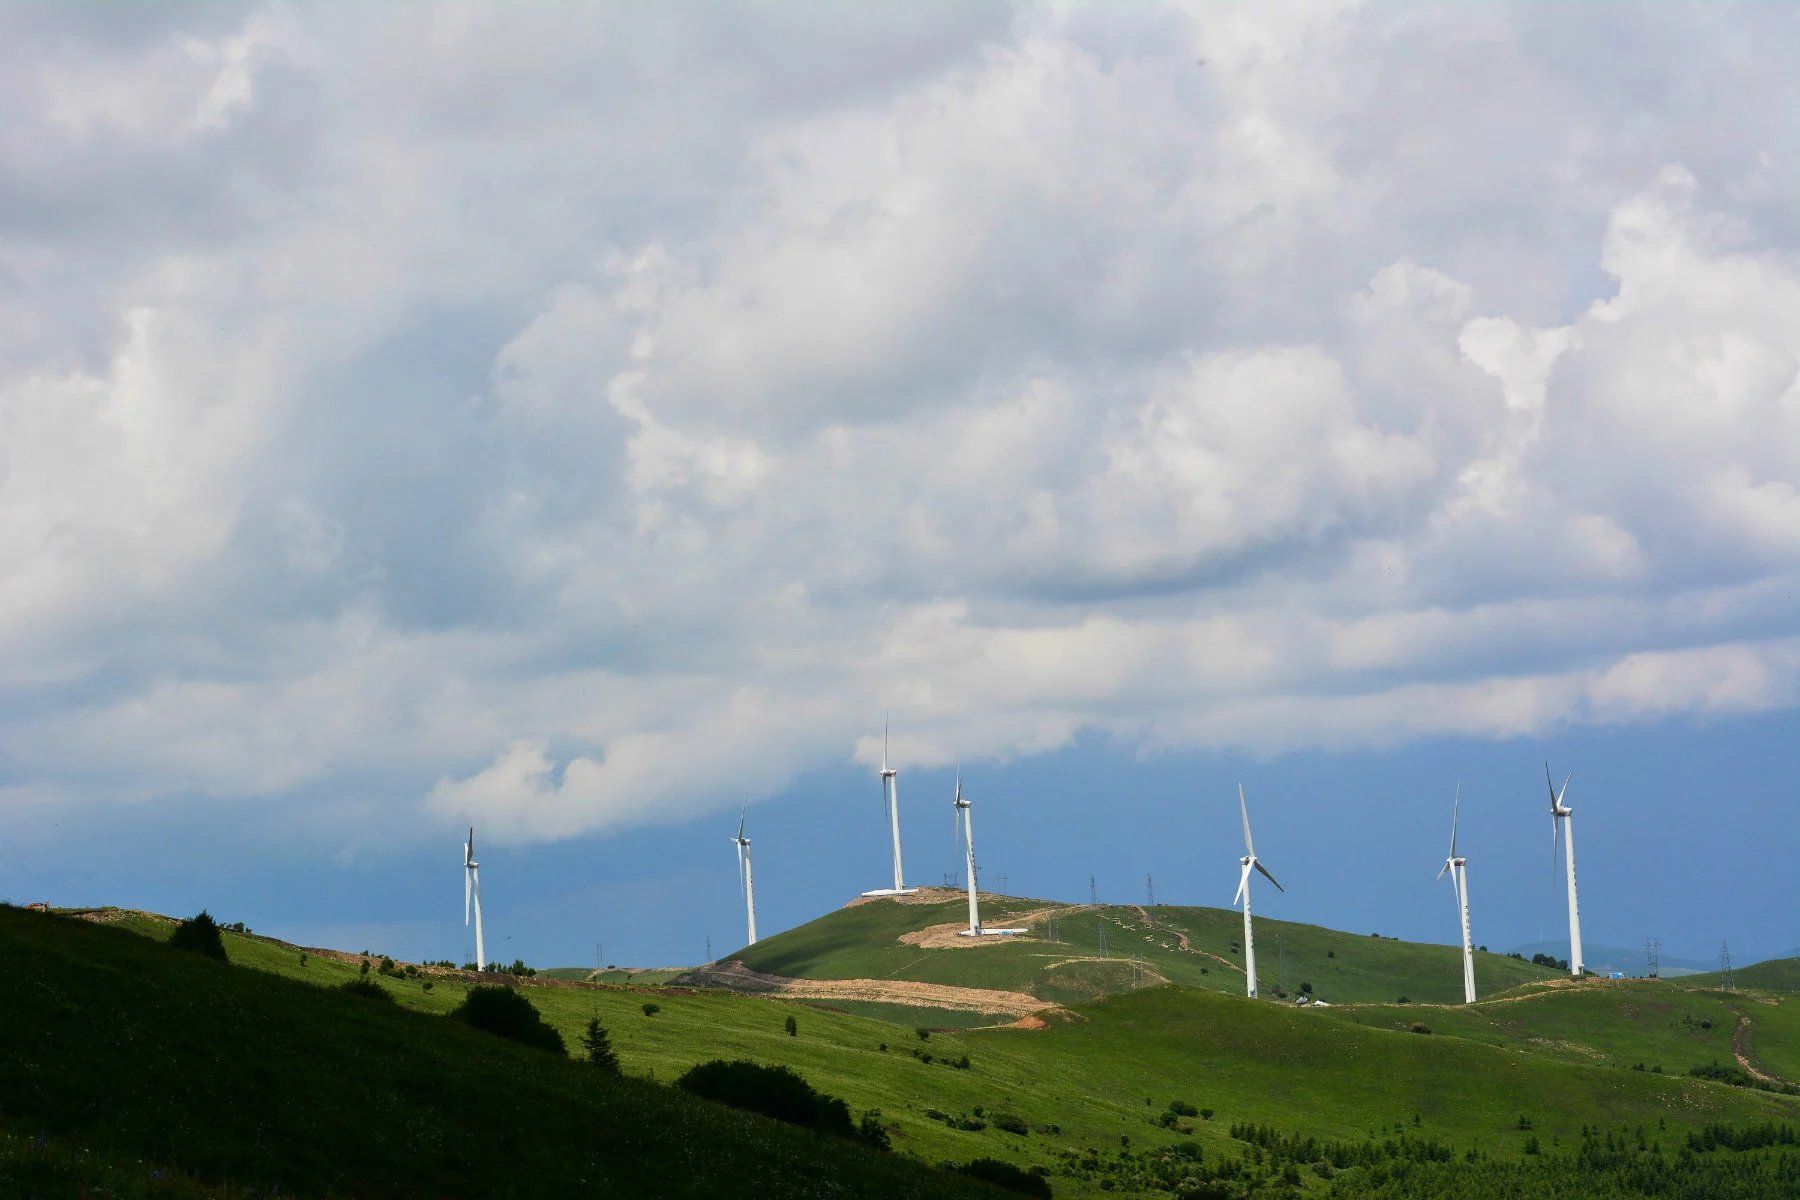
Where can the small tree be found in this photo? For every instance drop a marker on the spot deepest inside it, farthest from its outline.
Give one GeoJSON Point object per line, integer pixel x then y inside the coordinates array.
{"type": "Point", "coordinates": [599, 1047]}
{"type": "Point", "coordinates": [200, 934]}
{"type": "Point", "coordinates": [651, 1008]}
{"type": "Point", "coordinates": [792, 1026]}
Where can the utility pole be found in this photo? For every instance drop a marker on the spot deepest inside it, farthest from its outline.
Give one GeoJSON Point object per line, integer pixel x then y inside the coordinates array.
{"type": "Point", "coordinates": [1653, 959]}
{"type": "Point", "coordinates": [1725, 966]}
{"type": "Point", "coordinates": [1150, 891]}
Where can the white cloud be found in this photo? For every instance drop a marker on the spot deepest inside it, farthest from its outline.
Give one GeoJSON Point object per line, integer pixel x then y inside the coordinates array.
{"type": "Point", "coordinates": [561, 421]}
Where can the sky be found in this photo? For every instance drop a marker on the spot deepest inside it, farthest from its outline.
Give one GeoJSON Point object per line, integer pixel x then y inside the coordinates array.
{"type": "Point", "coordinates": [580, 421]}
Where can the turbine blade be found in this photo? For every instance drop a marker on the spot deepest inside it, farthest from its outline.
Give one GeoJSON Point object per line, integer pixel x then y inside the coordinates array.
{"type": "Point", "coordinates": [1265, 871]}
{"type": "Point", "coordinates": [740, 850]}
{"type": "Point", "coordinates": [1243, 882]}
{"type": "Point", "coordinates": [1443, 868]}
{"type": "Point", "coordinates": [742, 813]}
{"type": "Point", "coordinates": [1565, 789]}
{"type": "Point", "coordinates": [1244, 811]}
{"type": "Point", "coordinates": [884, 744]}
{"type": "Point", "coordinates": [1455, 813]}
{"type": "Point", "coordinates": [1551, 784]}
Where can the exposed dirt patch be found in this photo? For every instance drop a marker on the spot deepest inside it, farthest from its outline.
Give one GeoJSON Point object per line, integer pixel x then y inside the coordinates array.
{"type": "Point", "coordinates": [1743, 1050]}
{"type": "Point", "coordinates": [735, 976]}
{"type": "Point", "coordinates": [925, 895]}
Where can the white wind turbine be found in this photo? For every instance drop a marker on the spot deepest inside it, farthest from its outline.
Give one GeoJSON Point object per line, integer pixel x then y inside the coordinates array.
{"type": "Point", "coordinates": [890, 803]}
{"type": "Point", "coordinates": [746, 880]}
{"type": "Point", "coordinates": [472, 897]}
{"type": "Point", "coordinates": [966, 808]}
{"type": "Point", "coordinates": [1459, 879]}
{"type": "Point", "coordinates": [1562, 827]}
{"type": "Point", "coordinates": [1249, 863]}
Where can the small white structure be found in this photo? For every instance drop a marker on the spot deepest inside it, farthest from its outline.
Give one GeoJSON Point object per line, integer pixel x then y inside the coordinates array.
{"type": "Point", "coordinates": [1249, 863]}
{"type": "Point", "coordinates": [1459, 879]}
{"type": "Point", "coordinates": [975, 929]}
{"type": "Point", "coordinates": [746, 880]}
{"type": "Point", "coordinates": [472, 898]}
{"type": "Point", "coordinates": [1562, 827]}
{"type": "Point", "coordinates": [890, 804]}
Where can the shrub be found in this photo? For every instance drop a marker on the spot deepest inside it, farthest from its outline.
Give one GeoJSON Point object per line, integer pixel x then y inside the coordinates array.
{"type": "Point", "coordinates": [1010, 1122]}
{"type": "Point", "coordinates": [872, 1132]}
{"type": "Point", "coordinates": [1206, 1114]}
{"type": "Point", "coordinates": [924, 1033]}
{"type": "Point", "coordinates": [1420, 1027]}
{"type": "Point", "coordinates": [1005, 1175]}
{"type": "Point", "coordinates": [651, 1009]}
{"type": "Point", "coordinates": [426, 985]}
{"type": "Point", "coordinates": [1403, 1000]}
{"type": "Point", "coordinates": [303, 960]}
{"type": "Point", "coordinates": [792, 1026]}
{"type": "Point", "coordinates": [1182, 1108]}
{"type": "Point", "coordinates": [387, 965]}
{"type": "Point", "coordinates": [364, 970]}
{"type": "Point", "coordinates": [199, 934]}
{"type": "Point", "coordinates": [598, 1047]}
{"type": "Point", "coordinates": [777, 1092]}
{"type": "Point", "coordinates": [1306, 989]}
{"type": "Point", "coordinates": [504, 1013]}
{"type": "Point", "coordinates": [368, 989]}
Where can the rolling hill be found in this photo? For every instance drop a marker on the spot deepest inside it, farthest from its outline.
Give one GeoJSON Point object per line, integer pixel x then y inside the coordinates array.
{"type": "Point", "coordinates": [132, 1069]}
{"type": "Point", "coordinates": [1087, 1090]}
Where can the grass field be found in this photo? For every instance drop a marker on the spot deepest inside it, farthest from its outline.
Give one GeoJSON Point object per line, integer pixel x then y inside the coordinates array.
{"type": "Point", "coordinates": [161, 1070]}
{"type": "Point", "coordinates": [1559, 1056]}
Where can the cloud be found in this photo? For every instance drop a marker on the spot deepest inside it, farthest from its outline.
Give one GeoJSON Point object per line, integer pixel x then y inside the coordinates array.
{"type": "Point", "coordinates": [564, 422]}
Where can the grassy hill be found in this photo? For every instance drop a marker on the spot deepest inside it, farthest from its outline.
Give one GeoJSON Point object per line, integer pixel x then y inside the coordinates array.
{"type": "Point", "coordinates": [132, 1069]}
{"type": "Point", "coordinates": [1090, 1089]}
{"type": "Point", "coordinates": [1199, 947]}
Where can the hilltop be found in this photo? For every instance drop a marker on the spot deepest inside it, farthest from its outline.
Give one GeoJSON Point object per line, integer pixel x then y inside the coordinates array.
{"type": "Point", "coordinates": [912, 941]}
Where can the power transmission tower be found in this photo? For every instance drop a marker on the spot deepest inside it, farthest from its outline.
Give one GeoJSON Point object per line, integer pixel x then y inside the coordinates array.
{"type": "Point", "coordinates": [949, 879]}
{"type": "Point", "coordinates": [599, 956]}
{"type": "Point", "coordinates": [709, 956]}
{"type": "Point", "coordinates": [1101, 925]}
{"type": "Point", "coordinates": [1725, 966]}
{"type": "Point", "coordinates": [1653, 959]}
{"type": "Point", "coordinates": [1150, 890]}
{"type": "Point", "coordinates": [1001, 879]}
{"type": "Point", "coordinates": [1093, 893]}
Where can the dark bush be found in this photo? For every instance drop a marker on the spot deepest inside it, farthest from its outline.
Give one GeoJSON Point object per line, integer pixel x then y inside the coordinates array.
{"type": "Point", "coordinates": [1182, 1108]}
{"type": "Point", "coordinates": [1420, 1027]}
{"type": "Point", "coordinates": [650, 1009]}
{"type": "Point", "coordinates": [504, 1013]}
{"type": "Point", "coordinates": [1010, 1122]}
{"type": "Point", "coordinates": [1005, 1175]}
{"type": "Point", "coordinates": [923, 1033]}
{"type": "Point", "coordinates": [777, 1092]}
{"type": "Point", "coordinates": [792, 1026]}
{"type": "Point", "coordinates": [201, 935]}
{"type": "Point", "coordinates": [872, 1132]}
{"type": "Point", "coordinates": [368, 989]}
{"type": "Point", "coordinates": [598, 1047]}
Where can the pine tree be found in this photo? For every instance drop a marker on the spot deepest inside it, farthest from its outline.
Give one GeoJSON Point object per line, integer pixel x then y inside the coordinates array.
{"type": "Point", "coordinates": [599, 1047]}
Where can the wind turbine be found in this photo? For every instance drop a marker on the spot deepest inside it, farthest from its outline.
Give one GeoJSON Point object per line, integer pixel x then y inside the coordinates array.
{"type": "Point", "coordinates": [890, 803]}
{"type": "Point", "coordinates": [1562, 827]}
{"type": "Point", "coordinates": [746, 880]}
{"type": "Point", "coordinates": [472, 897]}
{"type": "Point", "coordinates": [1249, 863]}
{"type": "Point", "coordinates": [1459, 879]}
{"type": "Point", "coordinates": [966, 808]}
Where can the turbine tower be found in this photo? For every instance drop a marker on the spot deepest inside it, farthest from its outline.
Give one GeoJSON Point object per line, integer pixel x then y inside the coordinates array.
{"type": "Point", "coordinates": [1459, 879]}
{"type": "Point", "coordinates": [746, 880]}
{"type": "Point", "coordinates": [966, 809]}
{"type": "Point", "coordinates": [472, 897]}
{"type": "Point", "coordinates": [1250, 863]}
{"type": "Point", "coordinates": [1562, 827]}
{"type": "Point", "coordinates": [890, 803]}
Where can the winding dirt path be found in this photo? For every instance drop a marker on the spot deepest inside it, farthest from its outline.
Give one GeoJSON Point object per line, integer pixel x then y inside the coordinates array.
{"type": "Point", "coordinates": [1743, 1049]}
{"type": "Point", "coordinates": [1181, 939]}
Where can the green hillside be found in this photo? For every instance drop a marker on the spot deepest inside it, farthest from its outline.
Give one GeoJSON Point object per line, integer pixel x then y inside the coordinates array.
{"type": "Point", "coordinates": [1200, 947]}
{"type": "Point", "coordinates": [131, 1069]}
{"type": "Point", "coordinates": [1090, 1090]}
{"type": "Point", "coordinates": [1773, 975]}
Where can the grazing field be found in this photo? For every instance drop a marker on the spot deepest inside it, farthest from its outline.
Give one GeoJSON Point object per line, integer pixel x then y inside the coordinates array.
{"type": "Point", "coordinates": [1088, 1095]}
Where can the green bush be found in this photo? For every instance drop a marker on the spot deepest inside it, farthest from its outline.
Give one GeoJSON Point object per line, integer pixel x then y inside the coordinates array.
{"type": "Point", "coordinates": [777, 1092]}
{"type": "Point", "coordinates": [504, 1013]}
{"type": "Point", "coordinates": [368, 989]}
{"type": "Point", "coordinates": [792, 1026]}
{"type": "Point", "coordinates": [650, 1009]}
{"type": "Point", "coordinates": [201, 935]}
{"type": "Point", "coordinates": [1009, 1122]}
{"type": "Point", "coordinates": [1005, 1175]}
